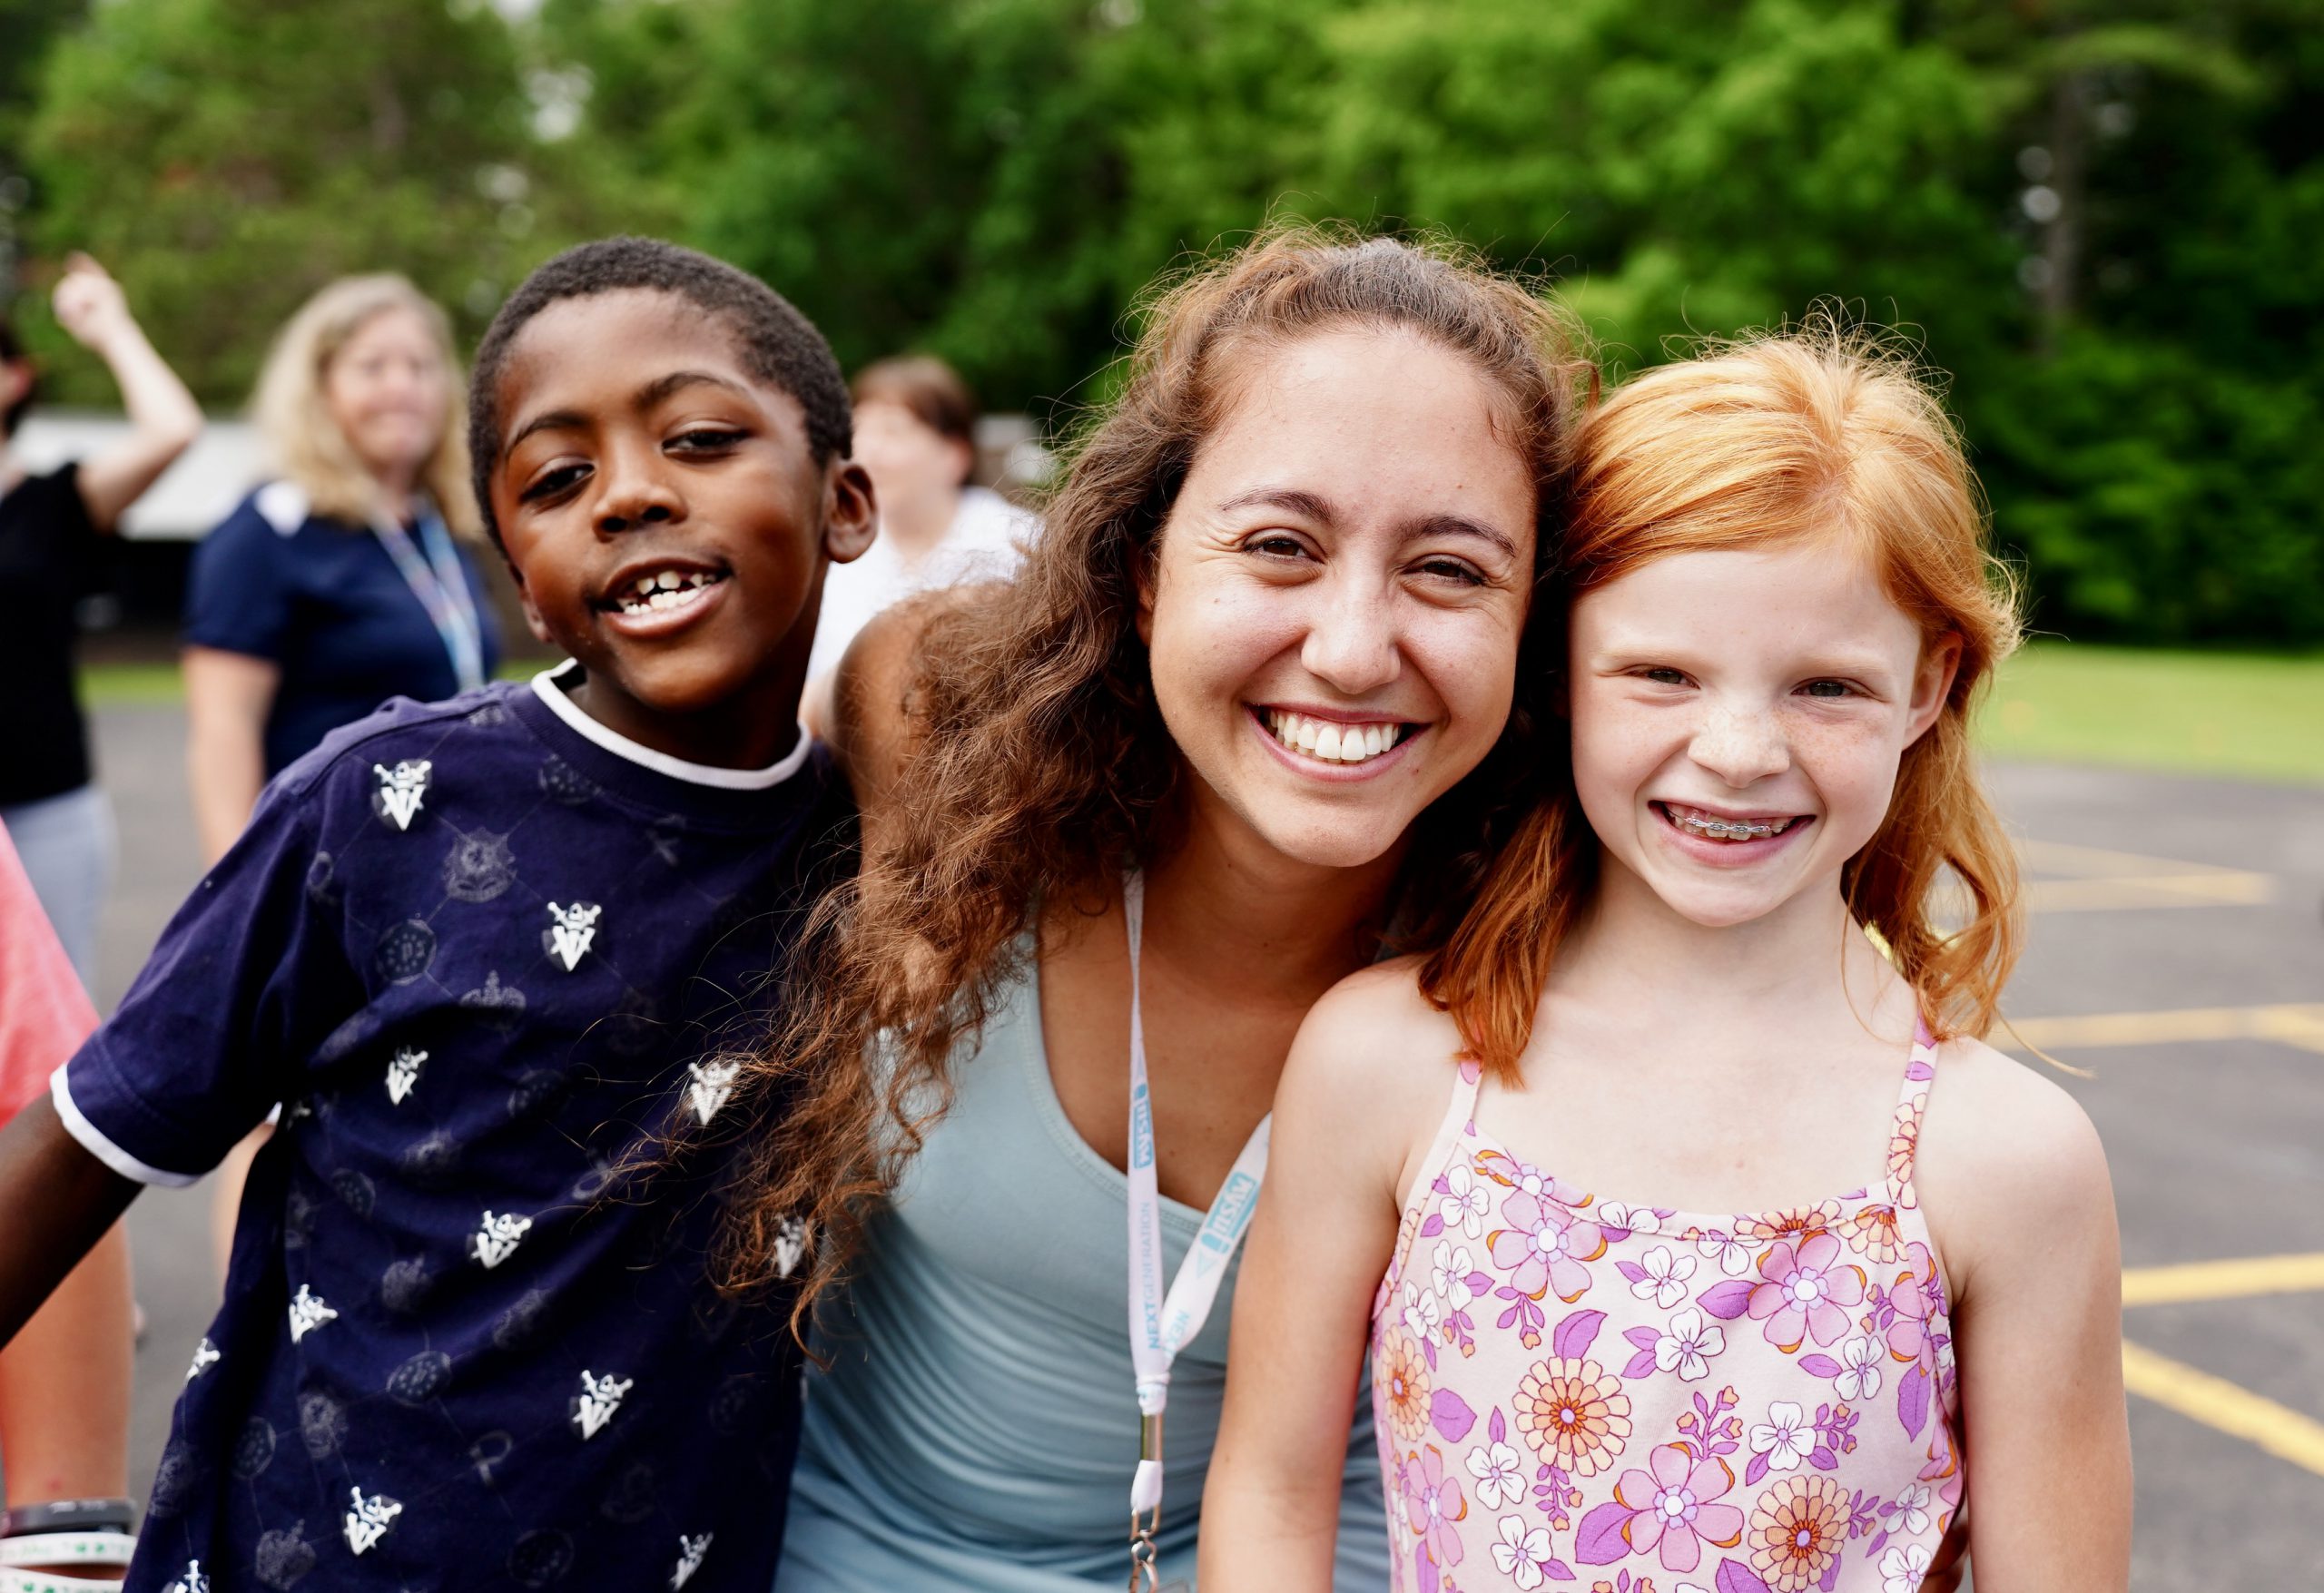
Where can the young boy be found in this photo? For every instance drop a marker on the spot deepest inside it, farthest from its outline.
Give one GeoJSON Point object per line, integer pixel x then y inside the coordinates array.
{"type": "Point", "coordinates": [487, 953]}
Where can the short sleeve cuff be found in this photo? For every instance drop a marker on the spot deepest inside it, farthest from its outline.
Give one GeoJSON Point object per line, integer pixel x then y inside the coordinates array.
{"type": "Point", "coordinates": [99, 1144]}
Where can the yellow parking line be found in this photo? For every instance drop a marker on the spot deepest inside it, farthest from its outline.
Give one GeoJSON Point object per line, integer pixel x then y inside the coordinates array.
{"type": "Point", "coordinates": [2217, 1403]}
{"type": "Point", "coordinates": [2223, 1280]}
{"type": "Point", "coordinates": [2090, 862]}
{"type": "Point", "coordinates": [2291, 1024]}
{"type": "Point", "coordinates": [2118, 895]}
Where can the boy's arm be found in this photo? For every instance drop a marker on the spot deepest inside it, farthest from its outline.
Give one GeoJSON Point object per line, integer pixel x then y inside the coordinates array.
{"type": "Point", "coordinates": [60, 1200]}
{"type": "Point", "coordinates": [1319, 1245]}
{"type": "Point", "coordinates": [164, 417]}
{"type": "Point", "coordinates": [2014, 1179]}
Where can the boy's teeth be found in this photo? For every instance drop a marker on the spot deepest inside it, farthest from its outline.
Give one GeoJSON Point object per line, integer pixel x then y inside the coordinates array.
{"type": "Point", "coordinates": [1330, 742]}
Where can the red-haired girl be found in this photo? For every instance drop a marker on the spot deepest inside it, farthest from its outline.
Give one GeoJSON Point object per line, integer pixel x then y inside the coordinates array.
{"type": "Point", "coordinates": [1734, 1256]}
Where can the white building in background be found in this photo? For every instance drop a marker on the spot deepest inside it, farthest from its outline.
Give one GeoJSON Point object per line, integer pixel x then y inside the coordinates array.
{"type": "Point", "coordinates": [194, 494]}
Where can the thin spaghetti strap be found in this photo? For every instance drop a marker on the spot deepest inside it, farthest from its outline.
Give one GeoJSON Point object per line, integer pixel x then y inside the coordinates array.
{"type": "Point", "coordinates": [1911, 1104]}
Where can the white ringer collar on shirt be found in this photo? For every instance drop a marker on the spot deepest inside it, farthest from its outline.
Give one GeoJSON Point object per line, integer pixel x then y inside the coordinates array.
{"type": "Point", "coordinates": [546, 687]}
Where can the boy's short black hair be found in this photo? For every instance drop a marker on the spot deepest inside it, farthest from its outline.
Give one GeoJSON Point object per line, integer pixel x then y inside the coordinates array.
{"type": "Point", "coordinates": [780, 345]}
{"type": "Point", "coordinates": [11, 349]}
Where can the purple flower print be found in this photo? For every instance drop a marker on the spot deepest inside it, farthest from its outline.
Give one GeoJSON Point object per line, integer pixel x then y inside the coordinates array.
{"type": "Point", "coordinates": [1677, 1513]}
{"type": "Point", "coordinates": [1433, 1504]}
{"type": "Point", "coordinates": [1545, 1246]}
{"type": "Point", "coordinates": [1918, 1300]}
{"type": "Point", "coordinates": [1805, 1291]}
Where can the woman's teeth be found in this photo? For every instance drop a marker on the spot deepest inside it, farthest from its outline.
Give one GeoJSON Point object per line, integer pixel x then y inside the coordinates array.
{"type": "Point", "coordinates": [1711, 826]}
{"type": "Point", "coordinates": [1329, 740]}
{"type": "Point", "coordinates": [665, 589]}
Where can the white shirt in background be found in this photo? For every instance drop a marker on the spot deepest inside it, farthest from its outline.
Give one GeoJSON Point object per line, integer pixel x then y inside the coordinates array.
{"type": "Point", "coordinates": [984, 543]}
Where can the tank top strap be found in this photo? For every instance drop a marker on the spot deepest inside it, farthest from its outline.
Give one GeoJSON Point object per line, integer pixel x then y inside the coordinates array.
{"type": "Point", "coordinates": [1911, 1104]}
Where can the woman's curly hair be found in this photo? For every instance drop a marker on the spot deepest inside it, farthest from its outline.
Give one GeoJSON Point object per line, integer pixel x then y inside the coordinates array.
{"type": "Point", "coordinates": [1039, 767]}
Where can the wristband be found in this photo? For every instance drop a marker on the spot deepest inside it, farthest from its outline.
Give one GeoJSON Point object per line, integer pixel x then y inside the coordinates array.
{"type": "Point", "coordinates": [69, 1514]}
{"type": "Point", "coordinates": [66, 1549]}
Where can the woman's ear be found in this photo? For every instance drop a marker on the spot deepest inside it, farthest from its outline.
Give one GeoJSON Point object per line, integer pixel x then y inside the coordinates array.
{"type": "Point", "coordinates": [1933, 682]}
{"type": "Point", "coordinates": [850, 513]}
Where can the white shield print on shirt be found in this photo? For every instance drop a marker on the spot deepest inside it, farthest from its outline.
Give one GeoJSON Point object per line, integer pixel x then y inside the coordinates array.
{"type": "Point", "coordinates": [575, 928]}
{"type": "Point", "coordinates": [790, 1244]}
{"type": "Point", "coordinates": [713, 1085]}
{"type": "Point", "coordinates": [498, 1239]}
{"type": "Point", "coordinates": [205, 1356]}
{"type": "Point", "coordinates": [403, 1072]}
{"type": "Point", "coordinates": [368, 1522]}
{"type": "Point", "coordinates": [691, 1548]}
{"type": "Point", "coordinates": [600, 1397]}
{"type": "Point", "coordinates": [400, 790]}
{"type": "Point", "coordinates": [308, 1313]}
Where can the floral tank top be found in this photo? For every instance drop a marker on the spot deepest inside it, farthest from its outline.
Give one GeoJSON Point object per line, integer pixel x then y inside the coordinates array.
{"type": "Point", "coordinates": [1574, 1393]}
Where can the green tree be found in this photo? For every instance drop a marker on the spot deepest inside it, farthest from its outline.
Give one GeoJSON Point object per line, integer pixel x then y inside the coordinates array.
{"type": "Point", "coordinates": [228, 157]}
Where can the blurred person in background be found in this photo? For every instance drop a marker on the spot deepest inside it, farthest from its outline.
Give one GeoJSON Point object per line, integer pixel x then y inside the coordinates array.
{"type": "Point", "coordinates": [64, 1379]}
{"type": "Point", "coordinates": [915, 432]}
{"type": "Point", "coordinates": [341, 583]}
{"type": "Point", "coordinates": [59, 821]}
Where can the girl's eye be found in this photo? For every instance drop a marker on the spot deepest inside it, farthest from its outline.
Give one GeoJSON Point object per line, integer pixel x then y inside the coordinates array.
{"type": "Point", "coordinates": [1828, 690]}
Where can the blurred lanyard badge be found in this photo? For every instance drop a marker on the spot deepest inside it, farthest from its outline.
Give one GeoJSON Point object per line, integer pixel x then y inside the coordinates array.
{"type": "Point", "coordinates": [1159, 1326]}
{"type": "Point", "coordinates": [436, 578]}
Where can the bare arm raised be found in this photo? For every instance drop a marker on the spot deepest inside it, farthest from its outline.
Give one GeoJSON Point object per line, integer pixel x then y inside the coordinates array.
{"type": "Point", "coordinates": [163, 415]}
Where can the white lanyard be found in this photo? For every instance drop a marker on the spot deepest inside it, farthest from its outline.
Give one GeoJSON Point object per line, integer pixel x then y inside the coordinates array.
{"type": "Point", "coordinates": [436, 580]}
{"type": "Point", "coordinates": [1159, 1325]}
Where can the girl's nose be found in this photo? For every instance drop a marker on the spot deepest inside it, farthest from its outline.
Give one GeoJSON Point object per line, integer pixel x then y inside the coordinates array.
{"type": "Point", "coordinates": [1741, 744]}
{"type": "Point", "coordinates": [1352, 646]}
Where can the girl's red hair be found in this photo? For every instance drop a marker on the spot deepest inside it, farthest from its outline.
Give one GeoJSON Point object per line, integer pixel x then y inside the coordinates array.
{"type": "Point", "coordinates": [1822, 433]}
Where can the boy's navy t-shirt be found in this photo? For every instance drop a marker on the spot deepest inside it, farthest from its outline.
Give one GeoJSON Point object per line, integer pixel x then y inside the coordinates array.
{"type": "Point", "coordinates": [482, 951]}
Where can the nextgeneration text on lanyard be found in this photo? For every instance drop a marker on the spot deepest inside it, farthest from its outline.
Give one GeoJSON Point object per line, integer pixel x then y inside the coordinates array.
{"type": "Point", "coordinates": [1160, 1325]}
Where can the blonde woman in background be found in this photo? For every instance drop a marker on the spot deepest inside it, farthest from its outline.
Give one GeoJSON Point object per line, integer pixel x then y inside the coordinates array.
{"type": "Point", "coordinates": [342, 581]}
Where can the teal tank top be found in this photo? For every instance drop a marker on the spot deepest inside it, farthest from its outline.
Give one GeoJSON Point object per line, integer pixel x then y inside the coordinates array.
{"type": "Point", "coordinates": [978, 1427]}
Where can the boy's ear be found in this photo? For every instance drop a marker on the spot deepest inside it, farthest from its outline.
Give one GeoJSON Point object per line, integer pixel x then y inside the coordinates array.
{"type": "Point", "coordinates": [1933, 682]}
{"type": "Point", "coordinates": [524, 597]}
{"type": "Point", "coordinates": [851, 514]}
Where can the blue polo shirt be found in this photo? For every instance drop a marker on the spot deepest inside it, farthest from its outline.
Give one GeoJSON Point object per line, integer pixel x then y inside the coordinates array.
{"type": "Point", "coordinates": [324, 601]}
{"type": "Point", "coordinates": [487, 953]}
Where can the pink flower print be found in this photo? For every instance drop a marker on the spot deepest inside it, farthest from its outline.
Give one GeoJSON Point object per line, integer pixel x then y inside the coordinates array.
{"type": "Point", "coordinates": [1689, 1344]}
{"type": "Point", "coordinates": [1791, 1223]}
{"type": "Point", "coordinates": [1785, 1437]}
{"type": "Point", "coordinates": [1806, 1291]}
{"type": "Point", "coordinates": [1676, 1514]}
{"type": "Point", "coordinates": [1903, 1568]}
{"type": "Point", "coordinates": [1860, 1375]}
{"type": "Point", "coordinates": [1433, 1504]}
{"type": "Point", "coordinates": [1659, 1276]}
{"type": "Point", "coordinates": [1402, 1375]}
{"type": "Point", "coordinates": [1904, 1141]}
{"type": "Point", "coordinates": [1872, 1233]}
{"type": "Point", "coordinates": [1523, 1553]}
{"type": "Point", "coordinates": [1918, 1300]}
{"type": "Point", "coordinates": [1544, 1247]}
{"type": "Point", "coordinates": [1499, 1472]}
{"type": "Point", "coordinates": [1465, 1203]}
{"type": "Point", "coordinates": [1733, 1255]}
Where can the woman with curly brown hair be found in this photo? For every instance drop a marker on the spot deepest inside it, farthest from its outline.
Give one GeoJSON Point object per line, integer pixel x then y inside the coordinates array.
{"type": "Point", "coordinates": [1253, 700]}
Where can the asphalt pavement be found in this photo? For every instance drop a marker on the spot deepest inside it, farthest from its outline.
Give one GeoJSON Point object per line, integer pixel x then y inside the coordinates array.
{"type": "Point", "coordinates": [2177, 953]}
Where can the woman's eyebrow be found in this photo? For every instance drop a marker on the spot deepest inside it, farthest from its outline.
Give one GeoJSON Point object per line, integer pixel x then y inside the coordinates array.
{"type": "Point", "coordinates": [1459, 526]}
{"type": "Point", "coordinates": [1313, 507]}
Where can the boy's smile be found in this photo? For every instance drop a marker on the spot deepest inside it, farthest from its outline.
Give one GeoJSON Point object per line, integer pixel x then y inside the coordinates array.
{"type": "Point", "coordinates": [667, 522]}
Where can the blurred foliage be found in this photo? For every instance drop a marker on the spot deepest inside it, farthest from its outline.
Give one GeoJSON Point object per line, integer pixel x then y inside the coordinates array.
{"type": "Point", "coordinates": [2104, 221]}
